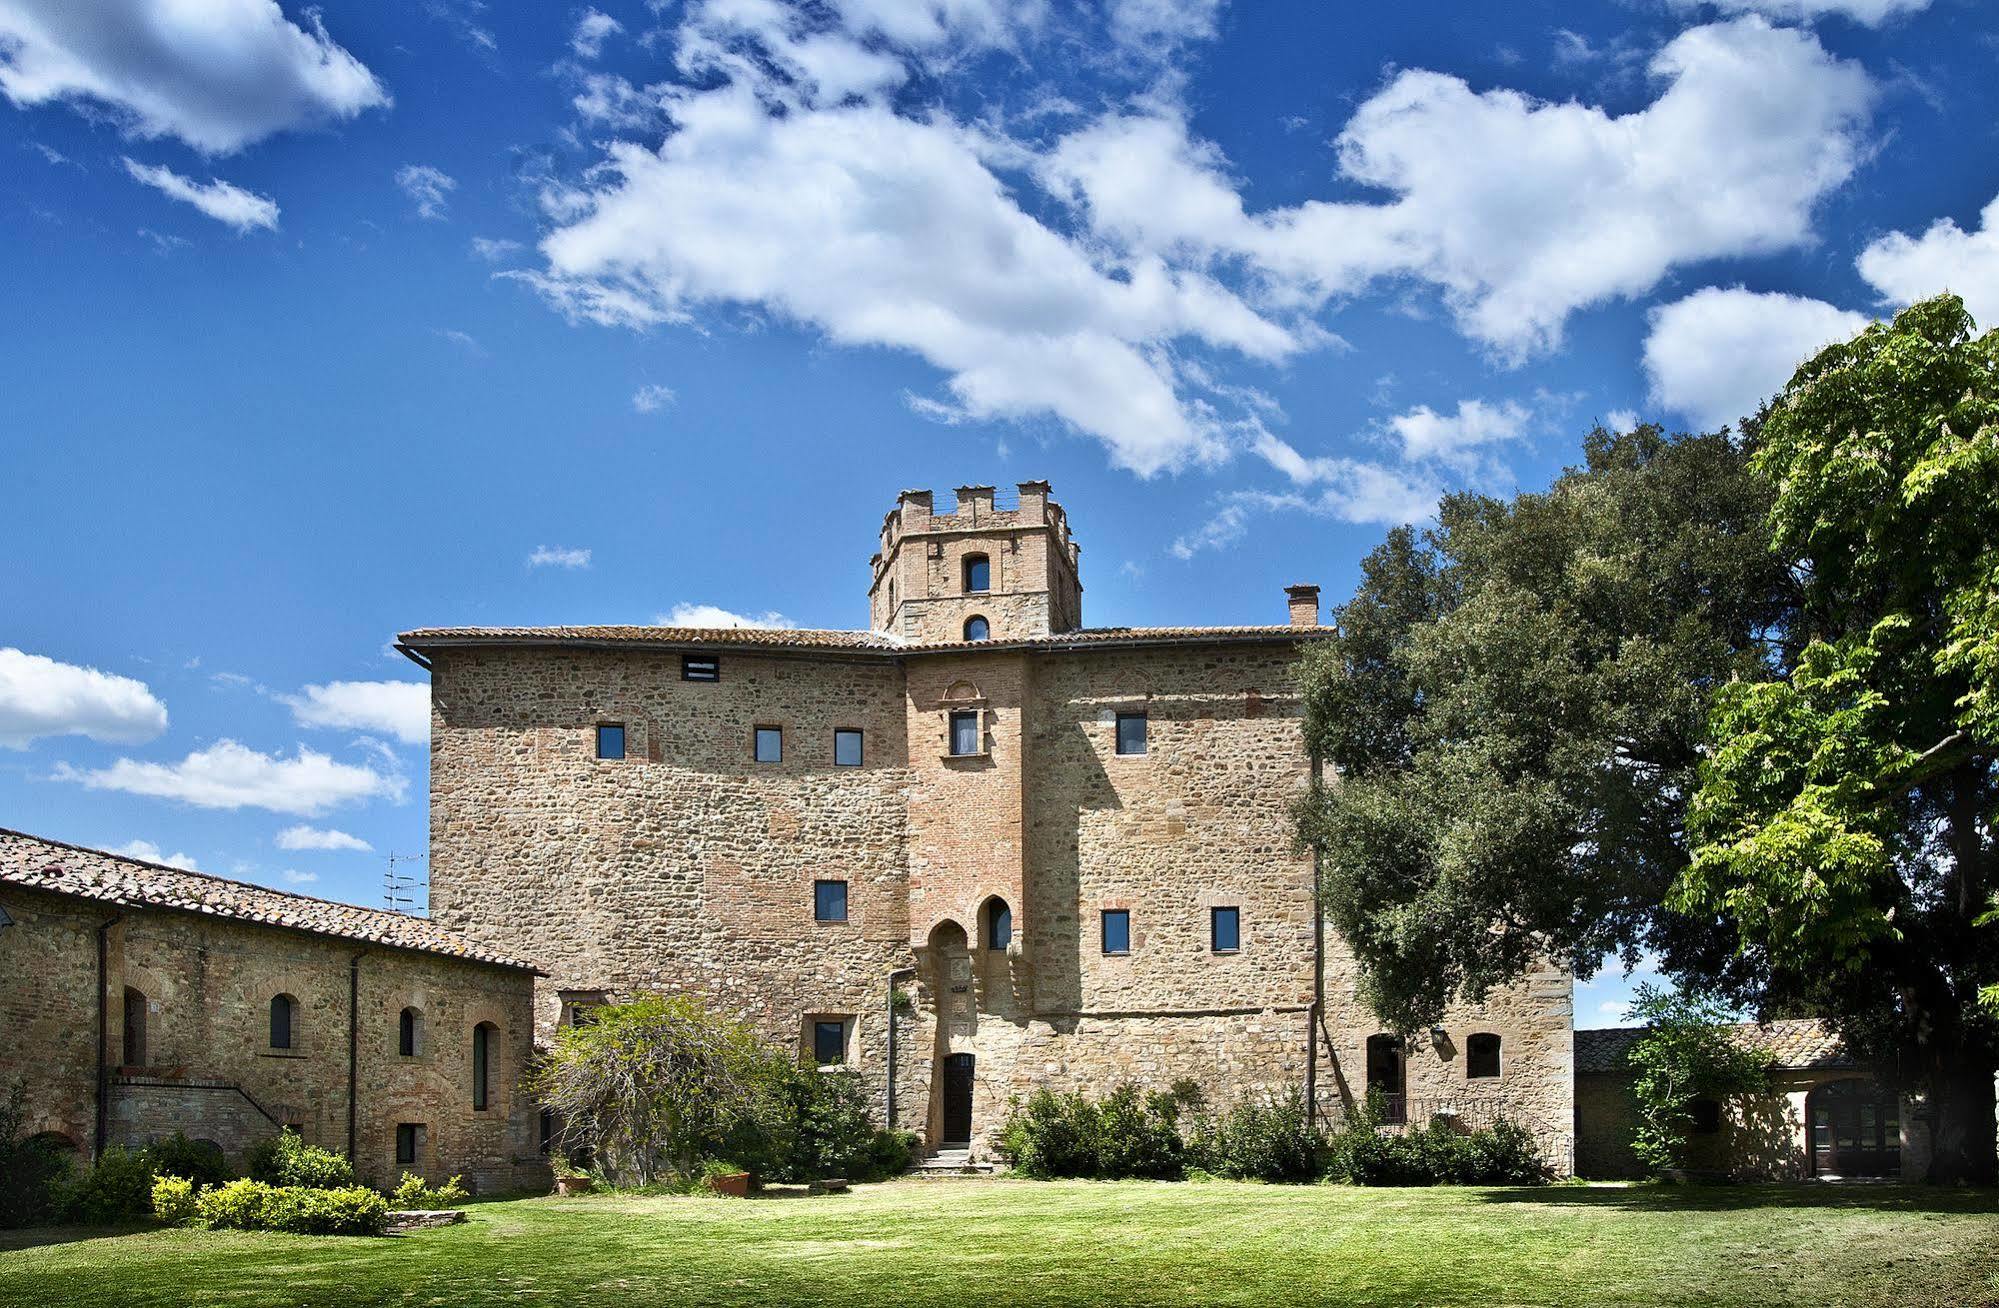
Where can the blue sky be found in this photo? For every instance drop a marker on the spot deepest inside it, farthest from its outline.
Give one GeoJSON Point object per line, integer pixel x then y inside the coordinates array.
{"type": "Point", "coordinates": [323, 324]}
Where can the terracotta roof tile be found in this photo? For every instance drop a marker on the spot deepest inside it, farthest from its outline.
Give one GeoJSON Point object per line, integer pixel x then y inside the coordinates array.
{"type": "Point", "coordinates": [50, 865]}
{"type": "Point", "coordinates": [1793, 1043]}
{"type": "Point", "coordinates": [811, 639]}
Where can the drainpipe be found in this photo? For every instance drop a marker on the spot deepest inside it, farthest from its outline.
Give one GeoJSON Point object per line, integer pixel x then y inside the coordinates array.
{"type": "Point", "coordinates": [893, 974]}
{"type": "Point", "coordinates": [353, 1045]}
{"type": "Point", "coordinates": [1318, 976]}
{"type": "Point", "coordinates": [103, 1038]}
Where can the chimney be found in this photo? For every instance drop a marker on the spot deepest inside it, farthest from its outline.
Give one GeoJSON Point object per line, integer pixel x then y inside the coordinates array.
{"type": "Point", "coordinates": [1303, 602]}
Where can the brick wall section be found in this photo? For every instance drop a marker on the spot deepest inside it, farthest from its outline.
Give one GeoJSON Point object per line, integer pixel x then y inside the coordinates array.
{"type": "Point", "coordinates": [209, 1068]}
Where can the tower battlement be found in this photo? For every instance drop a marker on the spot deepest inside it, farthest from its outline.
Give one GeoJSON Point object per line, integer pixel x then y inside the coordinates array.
{"type": "Point", "coordinates": [1007, 560]}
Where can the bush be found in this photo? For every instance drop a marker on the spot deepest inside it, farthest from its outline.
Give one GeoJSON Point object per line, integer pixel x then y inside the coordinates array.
{"type": "Point", "coordinates": [250, 1205]}
{"type": "Point", "coordinates": [414, 1192]}
{"type": "Point", "coordinates": [287, 1160]}
{"type": "Point", "coordinates": [32, 1169]}
{"type": "Point", "coordinates": [1437, 1154]}
{"type": "Point", "coordinates": [889, 1154]}
{"type": "Point", "coordinates": [1138, 1137]}
{"type": "Point", "coordinates": [1260, 1138]}
{"type": "Point", "coordinates": [1126, 1135]}
{"type": "Point", "coordinates": [173, 1200]}
{"type": "Point", "coordinates": [196, 1160]}
{"type": "Point", "coordinates": [119, 1189]}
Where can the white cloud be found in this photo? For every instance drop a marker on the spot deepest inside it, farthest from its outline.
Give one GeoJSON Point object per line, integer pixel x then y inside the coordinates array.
{"type": "Point", "coordinates": [218, 74]}
{"type": "Point", "coordinates": [228, 775]}
{"type": "Point", "coordinates": [1620, 420]}
{"type": "Point", "coordinates": [651, 398]}
{"type": "Point", "coordinates": [305, 837]}
{"type": "Point", "coordinates": [428, 188]}
{"type": "Point", "coordinates": [1518, 211]}
{"type": "Point", "coordinates": [591, 31]}
{"type": "Point", "coordinates": [1149, 25]}
{"type": "Point", "coordinates": [147, 852]}
{"type": "Point", "coordinates": [1716, 355]}
{"type": "Point", "coordinates": [556, 556]}
{"type": "Point", "coordinates": [1868, 13]}
{"type": "Point", "coordinates": [1448, 437]}
{"type": "Point", "coordinates": [492, 250]}
{"type": "Point", "coordinates": [1906, 268]}
{"type": "Point", "coordinates": [708, 615]}
{"type": "Point", "coordinates": [295, 877]}
{"type": "Point", "coordinates": [41, 697]}
{"type": "Point", "coordinates": [223, 201]}
{"type": "Point", "coordinates": [1330, 486]}
{"type": "Point", "coordinates": [396, 708]}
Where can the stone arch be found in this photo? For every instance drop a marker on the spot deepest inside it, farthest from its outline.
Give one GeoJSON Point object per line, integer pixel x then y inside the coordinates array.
{"type": "Point", "coordinates": [135, 1035]}
{"type": "Point", "coordinates": [410, 1032]}
{"type": "Point", "coordinates": [995, 919]}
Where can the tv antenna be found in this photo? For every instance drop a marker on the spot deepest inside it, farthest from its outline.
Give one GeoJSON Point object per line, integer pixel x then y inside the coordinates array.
{"type": "Point", "coordinates": [402, 886]}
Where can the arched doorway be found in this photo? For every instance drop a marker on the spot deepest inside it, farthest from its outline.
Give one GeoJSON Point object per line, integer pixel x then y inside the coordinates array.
{"type": "Point", "coordinates": [957, 1133]}
{"type": "Point", "coordinates": [950, 979]}
{"type": "Point", "coordinates": [1856, 1129]}
{"type": "Point", "coordinates": [1384, 1077]}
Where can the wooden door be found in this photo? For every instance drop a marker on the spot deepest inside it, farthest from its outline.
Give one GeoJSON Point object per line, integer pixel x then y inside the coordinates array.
{"type": "Point", "coordinates": [1856, 1129]}
{"type": "Point", "coordinates": [958, 1099]}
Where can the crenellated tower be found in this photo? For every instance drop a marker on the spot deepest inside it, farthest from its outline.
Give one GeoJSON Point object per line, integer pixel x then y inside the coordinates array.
{"type": "Point", "coordinates": [1012, 566]}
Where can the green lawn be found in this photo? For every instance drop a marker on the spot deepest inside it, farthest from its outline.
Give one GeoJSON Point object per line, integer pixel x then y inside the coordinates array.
{"type": "Point", "coordinates": [1023, 1242]}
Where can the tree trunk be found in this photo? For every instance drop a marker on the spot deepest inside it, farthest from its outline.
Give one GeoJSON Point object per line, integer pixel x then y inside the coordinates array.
{"type": "Point", "coordinates": [1962, 1134]}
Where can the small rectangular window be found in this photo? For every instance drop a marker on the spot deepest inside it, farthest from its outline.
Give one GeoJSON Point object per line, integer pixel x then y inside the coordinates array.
{"type": "Point", "coordinates": [965, 733]}
{"type": "Point", "coordinates": [700, 667]}
{"type": "Point", "coordinates": [1117, 931]}
{"type": "Point", "coordinates": [770, 744]}
{"type": "Point", "coordinates": [1482, 1056]}
{"type": "Point", "coordinates": [406, 1144]}
{"type": "Point", "coordinates": [1131, 733]}
{"type": "Point", "coordinates": [610, 740]}
{"type": "Point", "coordinates": [1225, 929]}
{"type": "Point", "coordinates": [829, 1042]}
{"type": "Point", "coordinates": [829, 901]}
{"type": "Point", "coordinates": [846, 748]}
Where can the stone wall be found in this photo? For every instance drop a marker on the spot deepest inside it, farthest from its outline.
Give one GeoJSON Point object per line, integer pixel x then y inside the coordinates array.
{"type": "Point", "coordinates": [208, 1066]}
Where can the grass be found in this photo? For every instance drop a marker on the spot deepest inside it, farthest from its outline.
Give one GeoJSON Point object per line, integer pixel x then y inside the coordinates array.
{"type": "Point", "coordinates": [999, 1242]}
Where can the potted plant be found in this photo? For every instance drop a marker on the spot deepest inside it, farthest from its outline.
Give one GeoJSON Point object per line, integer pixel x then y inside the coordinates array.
{"type": "Point", "coordinates": [727, 1178]}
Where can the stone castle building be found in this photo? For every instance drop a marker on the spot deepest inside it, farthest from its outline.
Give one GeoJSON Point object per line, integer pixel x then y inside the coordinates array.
{"type": "Point", "coordinates": [972, 850]}
{"type": "Point", "coordinates": [143, 1000]}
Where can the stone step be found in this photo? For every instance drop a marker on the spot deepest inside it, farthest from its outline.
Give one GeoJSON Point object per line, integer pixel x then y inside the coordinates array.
{"type": "Point", "coordinates": [950, 1162]}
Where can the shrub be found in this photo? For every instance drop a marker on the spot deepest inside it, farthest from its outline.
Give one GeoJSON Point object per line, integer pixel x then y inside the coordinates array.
{"type": "Point", "coordinates": [173, 1200]}
{"type": "Point", "coordinates": [196, 1160]}
{"type": "Point", "coordinates": [118, 1189]}
{"type": "Point", "coordinates": [287, 1160]}
{"type": "Point", "coordinates": [1437, 1154]}
{"type": "Point", "coordinates": [249, 1205]}
{"type": "Point", "coordinates": [414, 1192]}
{"type": "Point", "coordinates": [889, 1154]}
{"type": "Point", "coordinates": [32, 1168]}
{"type": "Point", "coordinates": [1126, 1135]}
{"type": "Point", "coordinates": [1687, 1052]}
{"type": "Point", "coordinates": [1139, 1136]}
{"type": "Point", "coordinates": [1259, 1138]}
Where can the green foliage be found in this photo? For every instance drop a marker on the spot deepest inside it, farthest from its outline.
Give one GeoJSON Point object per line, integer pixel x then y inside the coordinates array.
{"type": "Point", "coordinates": [412, 1191]}
{"type": "Point", "coordinates": [827, 1131]}
{"type": "Point", "coordinates": [287, 1160]}
{"type": "Point", "coordinates": [889, 1154]}
{"type": "Point", "coordinates": [1258, 1138]}
{"type": "Point", "coordinates": [1686, 1053]}
{"type": "Point", "coordinates": [33, 1169]}
{"type": "Point", "coordinates": [118, 1189]}
{"type": "Point", "coordinates": [1843, 821]}
{"type": "Point", "coordinates": [173, 1200]}
{"type": "Point", "coordinates": [1515, 705]}
{"type": "Point", "coordinates": [250, 1205]}
{"type": "Point", "coordinates": [1439, 1153]}
{"type": "Point", "coordinates": [1051, 1135]}
{"type": "Point", "coordinates": [656, 1087]}
{"type": "Point", "coordinates": [198, 1161]}
{"type": "Point", "coordinates": [1138, 1136]}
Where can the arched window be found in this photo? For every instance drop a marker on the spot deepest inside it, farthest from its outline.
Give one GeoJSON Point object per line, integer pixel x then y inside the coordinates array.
{"type": "Point", "coordinates": [483, 1036]}
{"type": "Point", "coordinates": [977, 628]}
{"type": "Point", "coordinates": [409, 1033]}
{"type": "Point", "coordinates": [999, 924]}
{"type": "Point", "coordinates": [1384, 1075]}
{"type": "Point", "coordinates": [135, 1028]}
{"type": "Point", "coordinates": [978, 573]}
{"type": "Point", "coordinates": [283, 1009]}
{"type": "Point", "coordinates": [1482, 1056]}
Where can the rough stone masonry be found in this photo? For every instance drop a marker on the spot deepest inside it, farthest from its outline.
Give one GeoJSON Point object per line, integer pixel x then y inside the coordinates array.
{"type": "Point", "coordinates": [972, 850]}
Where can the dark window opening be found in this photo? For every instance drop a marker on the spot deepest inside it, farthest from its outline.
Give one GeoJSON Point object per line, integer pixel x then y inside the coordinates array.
{"type": "Point", "coordinates": [846, 748]}
{"type": "Point", "coordinates": [977, 628]}
{"type": "Point", "coordinates": [999, 925]}
{"type": "Point", "coordinates": [1131, 733]}
{"type": "Point", "coordinates": [135, 1028]}
{"type": "Point", "coordinates": [978, 573]}
{"type": "Point", "coordinates": [406, 1033]}
{"type": "Point", "coordinates": [1117, 930]}
{"type": "Point", "coordinates": [406, 1144]}
{"type": "Point", "coordinates": [829, 1042]}
{"type": "Point", "coordinates": [700, 667]}
{"type": "Point", "coordinates": [1707, 1116]}
{"type": "Point", "coordinates": [770, 745]}
{"type": "Point", "coordinates": [1482, 1055]}
{"type": "Point", "coordinates": [610, 740]}
{"type": "Point", "coordinates": [482, 1066]}
{"type": "Point", "coordinates": [1225, 930]}
{"type": "Point", "coordinates": [547, 1140]}
{"type": "Point", "coordinates": [1384, 1077]}
{"type": "Point", "coordinates": [965, 733]}
{"type": "Point", "coordinates": [829, 901]}
{"type": "Point", "coordinates": [282, 1008]}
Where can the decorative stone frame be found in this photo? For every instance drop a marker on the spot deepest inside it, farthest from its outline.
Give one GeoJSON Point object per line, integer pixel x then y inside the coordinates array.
{"type": "Point", "coordinates": [966, 697]}
{"type": "Point", "coordinates": [850, 1038]}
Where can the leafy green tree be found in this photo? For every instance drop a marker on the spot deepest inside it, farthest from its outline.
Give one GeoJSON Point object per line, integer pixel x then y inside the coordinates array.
{"type": "Point", "coordinates": [1514, 708]}
{"type": "Point", "coordinates": [1844, 822]}
{"type": "Point", "coordinates": [1687, 1052]}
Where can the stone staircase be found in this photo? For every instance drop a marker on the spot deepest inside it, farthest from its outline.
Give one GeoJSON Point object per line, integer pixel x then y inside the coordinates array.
{"type": "Point", "coordinates": [956, 1161]}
